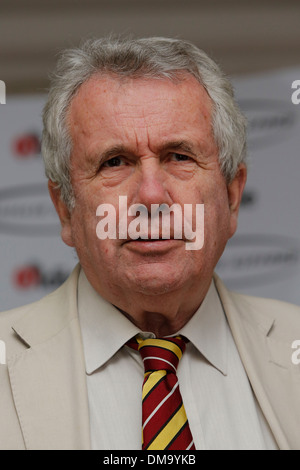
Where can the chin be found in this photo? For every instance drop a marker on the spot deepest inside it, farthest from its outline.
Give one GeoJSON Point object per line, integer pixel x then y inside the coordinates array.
{"type": "Point", "coordinates": [155, 283]}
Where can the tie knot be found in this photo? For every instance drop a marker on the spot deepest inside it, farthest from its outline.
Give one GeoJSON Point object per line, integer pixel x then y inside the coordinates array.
{"type": "Point", "coordinates": [160, 354]}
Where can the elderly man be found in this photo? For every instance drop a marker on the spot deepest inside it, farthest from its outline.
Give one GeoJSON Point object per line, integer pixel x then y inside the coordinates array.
{"type": "Point", "coordinates": [153, 121]}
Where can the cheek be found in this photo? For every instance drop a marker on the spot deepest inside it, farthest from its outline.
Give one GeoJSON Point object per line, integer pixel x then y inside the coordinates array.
{"type": "Point", "coordinates": [90, 249]}
{"type": "Point", "coordinates": [217, 225]}
{"type": "Point", "coordinates": [83, 224]}
{"type": "Point", "coordinates": [216, 212]}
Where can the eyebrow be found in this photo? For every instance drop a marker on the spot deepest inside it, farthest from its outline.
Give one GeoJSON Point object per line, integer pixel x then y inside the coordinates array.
{"type": "Point", "coordinates": [113, 152]}
{"type": "Point", "coordinates": [180, 145]}
{"type": "Point", "coordinates": [116, 150]}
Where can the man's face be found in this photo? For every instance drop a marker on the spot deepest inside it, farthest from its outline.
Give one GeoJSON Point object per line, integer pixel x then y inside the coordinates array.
{"type": "Point", "coordinates": [149, 140]}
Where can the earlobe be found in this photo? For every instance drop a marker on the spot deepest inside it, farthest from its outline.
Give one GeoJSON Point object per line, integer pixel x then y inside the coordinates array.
{"type": "Point", "coordinates": [235, 192]}
{"type": "Point", "coordinates": [63, 213]}
{"type": "Point", "coordinates": [236, 187]}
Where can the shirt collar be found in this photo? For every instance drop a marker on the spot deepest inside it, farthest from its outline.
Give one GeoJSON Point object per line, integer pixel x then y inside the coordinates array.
{"type": "Point", "coordinates": [105, 329]}
{"type": "Point", "coordinates": [208, 330]}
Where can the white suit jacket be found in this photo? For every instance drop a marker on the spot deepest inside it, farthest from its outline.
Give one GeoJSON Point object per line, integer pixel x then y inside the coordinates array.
{"type": "Point", "coordinates": [43, 394]}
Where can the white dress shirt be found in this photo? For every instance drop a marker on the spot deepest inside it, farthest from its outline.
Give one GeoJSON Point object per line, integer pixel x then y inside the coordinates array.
{"type": "Point", "coordinates": [221, 408]}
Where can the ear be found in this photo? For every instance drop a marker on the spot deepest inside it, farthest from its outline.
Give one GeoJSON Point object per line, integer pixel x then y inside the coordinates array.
{"type": "Point", "coordinates": [63, 213]}
{"type": "Point", "coordinates": [235, 191]}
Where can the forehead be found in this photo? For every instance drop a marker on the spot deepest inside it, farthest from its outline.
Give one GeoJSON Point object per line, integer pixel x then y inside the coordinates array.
{"type": "Point", "coordinates": [121, 107]}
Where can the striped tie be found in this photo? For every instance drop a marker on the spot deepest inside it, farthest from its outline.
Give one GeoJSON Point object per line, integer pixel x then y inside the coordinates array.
{"type": "Point", "coordinates": [164, 421]}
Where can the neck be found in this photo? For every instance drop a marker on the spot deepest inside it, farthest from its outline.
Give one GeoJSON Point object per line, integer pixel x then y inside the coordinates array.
{"type": "Point", "coordinates": [162, 310]}
{"type": "Point", "coordinates": [166, 314]}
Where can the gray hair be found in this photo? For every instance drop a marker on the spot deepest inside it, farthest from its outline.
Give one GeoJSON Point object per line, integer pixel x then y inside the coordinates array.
{"type": "Point", "coordinates": [155, 57]}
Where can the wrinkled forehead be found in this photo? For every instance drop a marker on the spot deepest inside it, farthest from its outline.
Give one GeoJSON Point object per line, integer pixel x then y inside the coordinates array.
{"type": "Point", "coordinates": [181, 84]}
{"type": "Point", "coordinates": [109, 97]}
{"type": "Point", "coordinates": [108, 111]}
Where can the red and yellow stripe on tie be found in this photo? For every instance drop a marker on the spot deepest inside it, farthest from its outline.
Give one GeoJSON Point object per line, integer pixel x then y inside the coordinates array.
{"type": "Point", "coordinates": [165, 425]}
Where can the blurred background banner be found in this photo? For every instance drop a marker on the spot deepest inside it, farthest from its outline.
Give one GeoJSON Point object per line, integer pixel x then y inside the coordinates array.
{"type": "Point", "coordinates": [263, 258]}
{"type": "Point", "coordinates": [256, 42]}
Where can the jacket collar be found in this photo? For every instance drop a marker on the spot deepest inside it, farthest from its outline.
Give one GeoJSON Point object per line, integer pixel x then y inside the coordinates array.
{"type": "Point", "coordinates": [48, 378]}
{"type": "Point", "coordinates": [266, 356]}
{"type": "Point", "coordinates": [42, 319]}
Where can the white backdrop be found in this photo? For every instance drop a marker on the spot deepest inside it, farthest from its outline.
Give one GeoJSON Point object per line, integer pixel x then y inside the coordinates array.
{"type": "Point", "coordinates": [262, 259]}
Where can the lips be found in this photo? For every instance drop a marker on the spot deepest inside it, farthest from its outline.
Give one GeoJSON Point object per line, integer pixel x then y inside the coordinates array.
{"type": "Point", "coordinates": [152, 237]}
{"type": "Point", "coordinates": [152, 247]}
{"type": "Point", "coordinates": [151, 240]}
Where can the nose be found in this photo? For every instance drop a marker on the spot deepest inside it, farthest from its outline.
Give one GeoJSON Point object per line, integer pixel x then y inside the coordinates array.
{"type": "Point", "coordinates": [152, 184]}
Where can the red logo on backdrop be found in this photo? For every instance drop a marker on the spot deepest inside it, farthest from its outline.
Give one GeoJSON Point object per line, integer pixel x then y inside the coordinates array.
{"type": "Point", "coordinates": [27, 277]}
{"type": "Point", "coordinates": [33, 276]}
{"type": "Point", "coordinates": [27, 145]}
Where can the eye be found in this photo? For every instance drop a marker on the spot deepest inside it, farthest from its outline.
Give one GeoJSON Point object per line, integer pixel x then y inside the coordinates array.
{"type": "Point", "coordinates": [113, 162]}
{"type": "Point", "coordinates": [179, 157]}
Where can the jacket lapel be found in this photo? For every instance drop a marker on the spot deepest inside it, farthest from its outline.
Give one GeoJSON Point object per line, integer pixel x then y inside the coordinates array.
{"type": "Point", "coordinates": [48, 377]}
{"type": "Point", "coordinates": [267, 361]}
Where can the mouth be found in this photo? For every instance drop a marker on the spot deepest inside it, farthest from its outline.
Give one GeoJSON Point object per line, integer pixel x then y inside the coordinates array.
{"type": "Point", "coordinates": [151, 246]}
{"type": "Point", "coordinates": [146, 239]}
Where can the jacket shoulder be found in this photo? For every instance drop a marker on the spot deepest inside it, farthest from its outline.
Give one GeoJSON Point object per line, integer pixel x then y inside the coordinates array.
{"type": "Point", "coordinates": [7, 319]}
{"type": "Point", "coordinates": [35, 313]}
{"type": "Point", "coordinates": [283, 316]}
{"type": "Point", "coordinates": [266, 304]}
